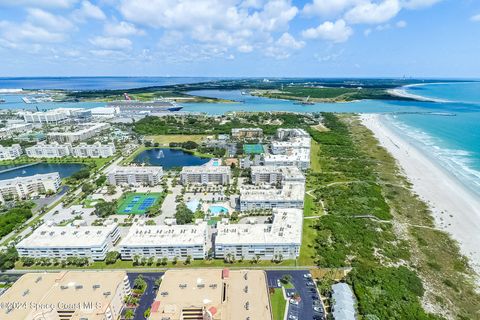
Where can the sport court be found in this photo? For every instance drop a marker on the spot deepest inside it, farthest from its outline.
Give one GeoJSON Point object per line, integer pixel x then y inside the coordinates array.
{"type": "Point", "coordinates": [137, 203]}
{"type": "Point", "coordinates": [253, 148]}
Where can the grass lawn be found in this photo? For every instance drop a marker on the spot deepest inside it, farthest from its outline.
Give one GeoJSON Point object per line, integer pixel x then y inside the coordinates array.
{"type": "Point", "coordinates": [137, 203]}
{"type": "Point", "coordinates": [314, 158]}
{"type": "Point", "coordinates": [166, 139]}
{"type": "Point", "coordinates": [120, 264]}
{"type": "Point", "coordinates": [307, 251]}
{"type": "Point", "coordinates": [278, 304]}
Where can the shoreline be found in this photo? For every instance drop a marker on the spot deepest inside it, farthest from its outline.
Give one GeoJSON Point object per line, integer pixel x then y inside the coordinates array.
{"type": "Point", "coordinates": [402, 93]}
{"type": "Point", "coordinates": [454, 207]}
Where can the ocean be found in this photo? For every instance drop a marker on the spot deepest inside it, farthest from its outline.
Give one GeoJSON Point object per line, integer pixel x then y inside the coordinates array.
{"type": "Point", "coordinates": [452, 140]}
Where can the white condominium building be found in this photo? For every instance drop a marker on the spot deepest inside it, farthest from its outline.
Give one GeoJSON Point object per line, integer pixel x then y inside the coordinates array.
{"type": "Point", "coordinates": [135, 176]}
{"type": "Point", "coordinates": [282, 237]}
{"type": "Point", "coordinates": [92, 242]}
{"type": "Point", "coordinates": [96, 150]}
{"type": "Point", "coordinates": [73, 295]}
{"type": "Point", "coordinates": [284, 133]}
{"type": "Point", "coordinates": [24, 187]}
{"type": "Point", "coordinates": [247, 133]}
{"type": "Point", "coordinates": [9, 153]}
{"type": "Point", "coordinates": [300, 159]}
{"type": "Point", "coordinates": [291, 149]}
{"type": "Point", "coordinates": [52, 150]}
{"type": "Point", "coordinates": [47, 117]}
{"type": "Point", "coordinates": [276, 174]}
{"type": "Point", "coordinates": [85, 131]}
{"type": "Point", "coordinates": [9, 130]}
{"type": "Point", "coordinates": [206, 175]}
{"type": "Point", "coordinates": [290, 195]}
{"type": "Point", "coordinates": [162, 241]}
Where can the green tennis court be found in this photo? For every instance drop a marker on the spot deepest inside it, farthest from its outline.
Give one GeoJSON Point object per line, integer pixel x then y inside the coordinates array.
{"type": "Point", "coordinates": [253, 148]}
{"type": "Point", "coordinates": [137, 203]}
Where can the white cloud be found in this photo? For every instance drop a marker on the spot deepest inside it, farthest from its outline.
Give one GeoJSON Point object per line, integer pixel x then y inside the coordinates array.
{"type": "Point", "coordinates": [122, 29]}
{"type": "Point", "coordinates": [337, 31]}
{"type": "Point", "coordinates": [286, 40]}
{"type": "Point", "coordinates": [111, 43]}
{"type": "Point", "coordinates": [243, 25]}
{"type": "Point", "coordinates": [39, 3]}
{"type": "Point", "coordinates": [327, 7]}
{"type": "Point", "coordinates": [418, 4]}
{"type": "Point", "coordinates": [48, 20]}
{"type": "Point", "coordinates": [475, 18]}
{"type": "Point", "coordinates": [87, 11]}
{"type": "Point", "coordinates": [27, 32]}
{"type": "Point", "coordinates": [373, 13]}
{"type": "Point", "coordinates": [401, 24]}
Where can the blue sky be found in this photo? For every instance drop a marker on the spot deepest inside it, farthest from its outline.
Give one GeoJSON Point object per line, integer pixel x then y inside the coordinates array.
{"type": "Point", "coordinates": [316, 38]}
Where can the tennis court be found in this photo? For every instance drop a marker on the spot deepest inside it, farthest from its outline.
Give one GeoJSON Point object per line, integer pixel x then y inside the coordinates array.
{"type": "Point", "coordinates": [253, 148]}
{"type": "Point", "coordinates": [137, 203]}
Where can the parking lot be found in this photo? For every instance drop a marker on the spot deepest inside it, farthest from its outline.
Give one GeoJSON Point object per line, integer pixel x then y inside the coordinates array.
{"type": "Point", "coordinates": [309, 306]}
{"type": "Point", "coordinates": [149, 296]}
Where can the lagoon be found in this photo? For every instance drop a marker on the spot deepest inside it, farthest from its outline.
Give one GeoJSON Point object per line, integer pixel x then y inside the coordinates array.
{"type": "Point", "coordinates": [64, 169]}
{"type": "Point", "coordinates": [169, 158]}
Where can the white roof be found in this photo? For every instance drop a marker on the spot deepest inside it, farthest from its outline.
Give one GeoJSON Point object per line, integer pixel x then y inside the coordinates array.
{"type": "Point", "coordinates": [162, 235]}
{"type": "Point", "coordinates": [206, 169]}
{"type": "Point", "coordinates": [285, 229]}
{"type": "Point", "coordinates": [67, 237]}
{"type": "Point", "coordinates": [137, 170]}
{"type": "Point", "coordinates": [289, 192]}
{"type": "Point", "coordinates": [288, 172]}
{"type": "Point", "coordinates": [344, 302]}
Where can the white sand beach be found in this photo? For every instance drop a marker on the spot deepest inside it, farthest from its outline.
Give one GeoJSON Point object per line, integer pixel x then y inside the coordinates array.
{"type": "Point", "coordinates": [456, 209]}
{"type": "Point", "coordinates": [401, 92]}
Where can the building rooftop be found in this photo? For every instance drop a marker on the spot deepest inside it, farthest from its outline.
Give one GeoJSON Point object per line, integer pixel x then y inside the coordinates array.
{"type": "Point", "coordinates": [290, 191]}
{"type": "Point", "coordinates": [137, 170]}
{"type": "Point", "coordinates": [224, 294]}
{"type": "Point", "coordinates": [35, 177]}
{"type": "Point", "coordinates": [174, 235]}
{"type": "Point", "coordinates": [67, 236]}
{"type": "Point", "coordinates": [288, 172]}
{"type": "Point", "coordinates": [64, 288]}
{"type": "Point", "coordinates": [286, 228]}
{"type": "Point", "coordinates": [206, 169]}
{"type": "Point", "coordinates": [344, 302]}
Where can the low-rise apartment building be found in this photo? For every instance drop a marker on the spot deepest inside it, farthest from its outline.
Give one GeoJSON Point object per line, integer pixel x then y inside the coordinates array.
{"type": "Point", "coordinates": [11, 129]}
{"type": "Point", "coordinates": [212, 294]}
{"type": "Point", "coordinates": [290, 195]}
{"type": "Point", "coordinates": [82, 132]}
{"type": "Point", "coordinates": [81, 295]}
{"type": "Point", "coordinates": [205, 175]}
{"type": "Point", "coordinates": [9, 153]}
{"type": "Point", "coordinates": [247, 133]}
{"type": "Point", "coordinates": [162, 241]}
{"type": "Point", "coordinates": [51, 150]}
{"type": "Point", "coordinates": [24, 187]}
{"type": "Point", "coordinates": [47, 117]}
{"type": "Point", "coordinates": [276, 174]}
{"type": "Point", "coordinates": [133, 175]}
{"type": "Point", "coordinates": [95, 150]}
{"type": "Point", "coordinates": [282, 238]}
{"type": "Point", "coordinates": [92, 242]}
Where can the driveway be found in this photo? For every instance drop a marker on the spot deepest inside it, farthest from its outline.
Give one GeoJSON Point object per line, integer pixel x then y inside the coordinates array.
{"type": "Point", "coordinates": [148, 297]}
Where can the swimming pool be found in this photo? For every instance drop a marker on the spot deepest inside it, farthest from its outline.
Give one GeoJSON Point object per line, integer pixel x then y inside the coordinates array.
{"type": "Point", "coordinates": [217, 210]}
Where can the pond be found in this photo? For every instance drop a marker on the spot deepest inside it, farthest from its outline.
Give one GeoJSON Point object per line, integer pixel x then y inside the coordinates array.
{"type": "Point", "coordinates": [169, 158]}
{"type": "Point", "coordinates": [64, 169]}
